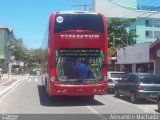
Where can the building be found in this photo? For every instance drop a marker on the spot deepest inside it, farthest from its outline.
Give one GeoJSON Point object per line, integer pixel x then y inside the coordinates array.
{"type": "Point", "coordinates": [143, 57]}
{"type": "Point", "coordinates": [155, 55]}
{"type": "Point", "coordinates": [5, 36]}
{"type": "Point", "coordinates": [114, 10]}
{"type": "Point", "coordinates": [126, 3]}
{"type": "Point", "coordinates": [146, 23]}
{"type": "Point", "coordinates": [147, 29]}
{"type": "Point", "coordinates": [152, 5]}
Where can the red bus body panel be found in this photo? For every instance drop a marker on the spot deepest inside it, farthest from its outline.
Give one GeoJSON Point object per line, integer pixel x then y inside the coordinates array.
{"type": "Point", "coordinates": [83, 39]}
{"type": "Point", "coordinates": [78, 90]}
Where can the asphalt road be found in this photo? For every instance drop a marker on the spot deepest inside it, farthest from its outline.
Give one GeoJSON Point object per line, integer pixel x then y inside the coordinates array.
{"type": "Point", "coordinates": [29, 97]}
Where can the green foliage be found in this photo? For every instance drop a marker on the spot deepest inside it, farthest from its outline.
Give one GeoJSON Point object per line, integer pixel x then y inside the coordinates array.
{"type": "Point", "coordinates": [34, 56]}
{"type": "Point", "coordinates": [29, 57]}
{"type": "Point", "coordinates": [117, 33]}
{"type": "Point", "coordinates": [18, 49]}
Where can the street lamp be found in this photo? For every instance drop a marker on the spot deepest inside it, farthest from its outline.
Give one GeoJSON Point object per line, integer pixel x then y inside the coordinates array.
{"type": "Point", "coordinates": [10, 60]}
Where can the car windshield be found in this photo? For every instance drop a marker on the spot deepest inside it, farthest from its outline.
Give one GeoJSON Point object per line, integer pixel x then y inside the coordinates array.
{"type": "Point", "coordinates": [117, 75]}
{"type": "Point", "coordinates": [150, 79]}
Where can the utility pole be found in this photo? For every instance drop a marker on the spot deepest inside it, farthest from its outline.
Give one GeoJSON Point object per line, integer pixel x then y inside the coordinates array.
{"type": "Point", "coordinates": [81, 5]}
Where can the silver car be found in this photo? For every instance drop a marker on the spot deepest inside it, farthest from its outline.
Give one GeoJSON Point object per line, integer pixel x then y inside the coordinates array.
{"type": "Point", "coordinates": [138, 86]}
{"type": "Point", "coordinates": [113, 77]}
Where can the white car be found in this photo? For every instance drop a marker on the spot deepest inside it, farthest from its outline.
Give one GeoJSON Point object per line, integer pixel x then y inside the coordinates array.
{"type": "Point", "coordinates": [113, 77]}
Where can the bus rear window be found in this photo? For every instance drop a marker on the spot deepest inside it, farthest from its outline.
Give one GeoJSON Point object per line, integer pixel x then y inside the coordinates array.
{"type": "Point", "coordinates": [74, 67]}
{"type": "Point", "coordinates": [92, 22]}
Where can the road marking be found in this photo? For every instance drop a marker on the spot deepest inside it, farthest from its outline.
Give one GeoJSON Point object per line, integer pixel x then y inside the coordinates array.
{"type": "Point", "coordinates": [117, 100]}
{"type": "Point", "coordinates": [32, 80]}
{"type": "Point", "coordinates": [96, 112]}
{"type": "Point", "coordinates": [146, 108]}
{"type": "Point", "coordinates": [146, 111]}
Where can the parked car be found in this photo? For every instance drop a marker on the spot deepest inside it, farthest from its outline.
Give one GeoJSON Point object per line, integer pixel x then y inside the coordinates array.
{"type": "Point", "coordinates": [33, 72]}
{"type": "Point", "coordinates": [138, 85]}
{"type": "Point", "coordinates": [113, 77]}
{"type": "Point", "coordinates": [158, 103]}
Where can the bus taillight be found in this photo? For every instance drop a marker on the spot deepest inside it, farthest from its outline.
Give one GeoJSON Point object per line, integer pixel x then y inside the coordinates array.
{"type": "Point", "coordinates": [53, 76]}
{"type": "Point", "coordinates": [53, 71]}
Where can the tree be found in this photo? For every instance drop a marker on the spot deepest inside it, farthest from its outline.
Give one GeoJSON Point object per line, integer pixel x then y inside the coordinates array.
{"type": "Point", "coordinates": [118, 35]}
{"type": "Point", "coordinates": [19, 50]}
{"type": "Point", "coordinates": [34, 56]}
{"type": "Point", "coordinates": [21, 53]}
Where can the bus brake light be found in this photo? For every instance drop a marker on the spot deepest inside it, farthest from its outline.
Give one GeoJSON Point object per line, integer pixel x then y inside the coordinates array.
{"type": "Point", "coordinates": [53, 71]}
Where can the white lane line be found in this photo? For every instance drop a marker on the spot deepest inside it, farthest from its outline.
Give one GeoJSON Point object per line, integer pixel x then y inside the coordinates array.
{"type": "Point", "coordinates": [144, 108]}
{"type": "Point", "coordinates": [29, 80]}
{"type": "Point", "coordinates": [36, 80]}
{"type": "Point", "coordinates": [97, 113]}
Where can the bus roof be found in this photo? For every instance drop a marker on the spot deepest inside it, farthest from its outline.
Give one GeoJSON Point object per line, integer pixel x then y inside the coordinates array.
{"type": "Point", "coordinates": [77, 12]}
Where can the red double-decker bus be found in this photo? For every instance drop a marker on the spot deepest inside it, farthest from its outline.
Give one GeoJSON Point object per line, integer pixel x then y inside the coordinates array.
{"type": "Point", "coordinates": [74, 58]}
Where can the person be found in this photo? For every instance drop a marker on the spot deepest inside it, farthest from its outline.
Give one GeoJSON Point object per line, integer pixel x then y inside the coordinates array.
{"type": "Point", "coordinates": [84, 70]}
{"type": "Point", "coordinates": [74, 69]}
{"type": "Point", "coordinates": [69, 68]}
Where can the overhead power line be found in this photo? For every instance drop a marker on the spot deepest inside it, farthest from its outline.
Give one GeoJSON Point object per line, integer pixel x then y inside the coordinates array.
{"type": "Point", "coordinates": [81, 5]}
{"type": "Point", "coordinates": [151, 2]}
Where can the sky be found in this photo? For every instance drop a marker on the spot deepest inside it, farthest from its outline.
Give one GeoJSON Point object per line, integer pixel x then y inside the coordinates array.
{"type": "Point", "coordinates": [29, 18]}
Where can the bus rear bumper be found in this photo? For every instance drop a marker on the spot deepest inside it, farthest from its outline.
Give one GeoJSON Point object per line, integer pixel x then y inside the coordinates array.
{"type": "Point", "coordinates": [78, 90]}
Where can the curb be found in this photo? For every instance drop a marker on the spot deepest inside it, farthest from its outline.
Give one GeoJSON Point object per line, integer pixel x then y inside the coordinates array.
{"type": "Point", "coordinates": [3, 91]}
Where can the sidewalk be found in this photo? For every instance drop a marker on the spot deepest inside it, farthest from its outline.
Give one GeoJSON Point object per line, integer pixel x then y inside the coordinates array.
{"type": "Point", "coordinates": [7, 82]}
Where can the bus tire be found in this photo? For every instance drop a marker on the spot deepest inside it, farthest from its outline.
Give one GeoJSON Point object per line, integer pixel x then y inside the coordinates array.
{"type": "Point", "coordinates": [47, 88]}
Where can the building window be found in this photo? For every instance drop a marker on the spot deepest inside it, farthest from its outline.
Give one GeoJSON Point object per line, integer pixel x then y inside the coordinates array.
{"type": "Point", "coordinates": [148, 34]}
{"type": "Point", "coordinates": [157, 23]}
{"type": "Point", "coordinates": [148, 23]}
{"type": "Point", "coordinates": [156, 34]}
